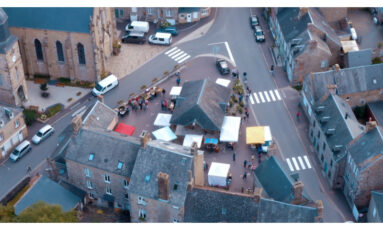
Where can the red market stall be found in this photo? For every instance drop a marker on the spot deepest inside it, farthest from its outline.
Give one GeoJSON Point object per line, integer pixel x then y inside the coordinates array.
{"type": "Point", "coordinates": [125, 129]}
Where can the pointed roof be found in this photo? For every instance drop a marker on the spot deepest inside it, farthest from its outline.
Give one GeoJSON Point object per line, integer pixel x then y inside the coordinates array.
{"type": "Point", "coordinates": [6, 38]}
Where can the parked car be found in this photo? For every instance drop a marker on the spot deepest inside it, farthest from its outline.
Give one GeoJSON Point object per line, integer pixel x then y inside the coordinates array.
{"type": "Point", "coordinates": [138, 26]}
{"type": "Point", "coordinates": [223, 66]}
{"type": "Point", "coordinates": [254, 21]}
{"type": "Point", "coordinates": [160, 39]}
{"type": "Point", "coordinates": [259, 35]}
{"type": "Point", "coordinates": [134, 37]}
{"type": "Point", "coordinates": [42, 134]}
{"type": "Point", "coordinates": [105, 85]}
{"type": "Point", "coordinates": [169, 29]}
{"type": "Point", "coordinates": [20, 150]}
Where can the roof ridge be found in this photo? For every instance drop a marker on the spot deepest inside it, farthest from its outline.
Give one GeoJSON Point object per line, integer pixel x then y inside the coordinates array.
{"type": "Point", "coordinates": [204, 82]}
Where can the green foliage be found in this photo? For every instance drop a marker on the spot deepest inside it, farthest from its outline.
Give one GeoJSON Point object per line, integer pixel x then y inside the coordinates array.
{"type": "Point", "coordinates": [53, 110]}
{"type": "Point", "coordinates": [298, 87]}
{"type": "Point", "coordinates": [377, 60]}
{"type": "Point", "coordinates": [165, 24]}
{"type": "Point", "coordinates": [380, 45]}
{"type": "Point", "coordinates": [41, 212]}
{"type": "Point", "coordinates": [30, 116]}
{"type": "Point", "coordinates": [44, 87]}
{"type": "Point", "coordinates": [64, 80]}
{"type": "Point", "coordinates": [241, 104]}
{"type": "Point", "coordinates": [42, 76]}
{"type": "Point", "coordinates": [7, 214]}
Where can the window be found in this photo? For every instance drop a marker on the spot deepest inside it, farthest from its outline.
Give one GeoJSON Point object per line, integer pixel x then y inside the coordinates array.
{"type": "Point", "coordinates": [107, 178]}
{"type": "Point", "coordinates": [108, 190]}
{"type": "Point", "coordinates": [119, 165]}
{"type": "Point", "coordinates": [374, 213]}
{"type": "Point", "coordinates": [314, 124]}
{"type": "Point", "coordinates": [331, 163]}
{"type": "Point", "coordinates": [312, 133]}
{"type": "Point", "coordinates": [89, 184]}
{"type": "Point", "coordinates": [324, 145]}
{"type": "Point", "coordinates": [141, 200]}
{"type": "Point", "coordinates": [92, 196]}
{"type": "Point", "coordinates": [39, 50]}
{"type": "Point", "coordinates": [329, 174]}
{"type": "Point", "coordinates": [127, 196]}
{"type": "Point", "coordinates": [323, 64]}
{"type": "Point", "coordinates": [60, 51]}
{"type": "Point", "coordinates": [91, 156]}
{"type": "Point", "coordinates": [88, 173]}
{"type": "Point", "coordinates": [126, 183]}
{"type": "Point", "coordinates": [17, 124]}
{"type": "Point", "coordinates": [142, 214]}
{"type": "Point", "coordinates": [175, 186]}
{"type": "Point", "coordinates": [204, 11]}
{"type": "Point", "coordinates": [81, 53]}
{"type": "Point", "coordinates": [168, 13]}
{"type": "Point", "coordinates": [224, 211]}
{"type": "Point", "coordinates": [322, 158]}
{"type": "Point", "coordinates": [149, 10]}
{"type": "Point", "coordinates": [318, 134]}
{"type": "Point", "coordinates": [318, 147]}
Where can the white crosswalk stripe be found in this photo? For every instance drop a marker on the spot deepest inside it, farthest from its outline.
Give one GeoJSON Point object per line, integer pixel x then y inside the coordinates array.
{"type": "Point", "coordinates": [289, 164]}
{"type": "Point", "coordinates": [177, 55]}
{"type": "Point", "coordinates": [261, 96]}
{"type": "Point", "coordinates": [174, 53]}
{"type": "Point", "coordinates": [251, 100]}
{"type": "Point", "coordinates": [272, 95]}
{"type": "Point", "coordinates": [180, 53]}
{"type": "Point", "coordinates": [180, 57]}
{"type": "Point", "coordinates": [276, 93]}
{"type": "Point", "coordinates": [307, 161]}
{"type": "Point", "coordinates": [295, 164]}
{"type": "Point", "coordinates": [298, 163]}
{"type": "Point", "coordinates": [256, 98]}
{"type": "Point", "coordinates": [184, 59]}
{"type": "Point", "coordinates": [167, 52]}
{"type": "Point", "coordinates": [267, 96]}
{"type": "Point", "coordinates": [301, 163]}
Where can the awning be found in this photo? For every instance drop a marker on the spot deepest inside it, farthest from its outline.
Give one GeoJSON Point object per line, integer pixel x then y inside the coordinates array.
{"type": "Point", "coordinates": [163, 119]}
{"type": "Point", "coordinates": [348, 46]}
{"type": "Point", "coordinates": [258, 135]}
{"type": "Point", "coordinates": [218, 173]}
{"type": "Point", "coordinates": [190, 138]}
{"type": "Point", "coordinates": [165, 134]}
{"type": "Point", "coordinates": [125, 129]}
{"type": "Point", "coordinates": [175, 91]}
{"type": "Point", "coordinates": [223, 82]}
{"type": "Point", "coordinates": [230, 129]}
{"type": "Point", "coordinates": [211, 141]}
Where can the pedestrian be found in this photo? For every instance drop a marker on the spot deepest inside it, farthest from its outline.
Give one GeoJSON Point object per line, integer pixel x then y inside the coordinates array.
{"type": "Point", "coordinates": [178, 80]}
{"type": "Point", "coordinates": [249, 166]}
{"type": "Point", "coordinates": [234, 156]}
{"type": "Point", "coordinates": [244, 176]}
{"type": "Point", "coordinates": [29, 169]}
{"type": "Point", "coordinates": [162, 106]}
{"type": "Point", "coordinates": [245, 163]}
{"type": "Point", "coordinates": [247, 109]}
{"type": "Point", "coordinates": [249, 91]}
{"type": "Point", "coordinates": [247, 97]}
{"type": "Point", "coordinates": [247, 114]}
{"type": "Point", "coordinates": [207, 166]}
{"type": "Point", "coordinates": [204, 165]}
{"type": "Point", "coordinates": [298, 114]}
{"type": "Point", "coordinates": [244, 118]}
{"type": "Point", "coordinates": [165, 104]}
{"type": "Point", "coordinates": [272, 70]}
{"type": "Point", "coordinates": [252, 158]}
{"type": "Point", "coordinates": [163, 92]}
{"type": "Point", "coordinates": [259, 158]}
{"type": "Point", "coordinates": [240, 98]}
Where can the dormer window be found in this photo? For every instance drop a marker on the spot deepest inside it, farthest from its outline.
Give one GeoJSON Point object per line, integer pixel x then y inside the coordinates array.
{"type": "Point", "coordinates": [119, 165]}
{"type": "Point", "coordinates": [91, 156]}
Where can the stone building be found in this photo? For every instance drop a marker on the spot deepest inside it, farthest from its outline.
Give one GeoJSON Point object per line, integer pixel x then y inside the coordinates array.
{"type": "Point", "coordinates": [12, 129]}
{"type": "Point", "coordinates": [72, 43]}
{"type": "Point", "coordinates": [13, 88]}
{"type": "Point", "coordinates": [375, 208]}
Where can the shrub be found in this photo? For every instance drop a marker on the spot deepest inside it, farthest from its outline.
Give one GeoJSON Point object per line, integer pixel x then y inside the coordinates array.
{"type": "Point", "coordinates": [53, 110]}
{"type": "Point", "coordinates": [30, 116]}
{"type": "Point", "coordinates": [377, 60]}
{"type": "Point", "coordinates": [231, 103]}
{"type": "Point", "coordinates": [165, 73]}
{"type": "Point", "coordinates": [143, 87]}
{"type": "Point", "coordinates": [78, 93]}
{"type": "Point", "coordinates": [120, 102]}
{"type": "Point", "coordinates": [241, 104]}
{"type": "Point", "coordinates": [235, 100]}
{"type": "Point", "coordinates": [42, 76]}
{"type": "Point", "coordinates": [70, 99]}
{"type": "Point", "coordinates": [240, 110]}
{"type": "Point", "coordinates": [43, 117]}
{"type": "Point", "coordinates": [64, 80]}
{"type": "Point", "coordinates": [298, 87]}
{"type": "Point", "coordinates": [154, 80]}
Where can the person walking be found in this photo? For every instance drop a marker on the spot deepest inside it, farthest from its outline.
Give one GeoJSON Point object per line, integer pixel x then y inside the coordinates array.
{"type": "Point", "coordinates": [234, 156]}
{"type": "Point", "coordinates": [298, 115]}
{"type": "Point", "coordinates": [245, 163]}
{"type": "Point", "coordinates": [247, 97]}
{"type": "Point", "coordinates": [29, 169]}
{"type": "Point", "coordinates": [247, 114]}
{"type": "Point", "coordinates": [163, 92]}
{"type": "Point", "coordinates": [272, 70]}
{"type": "Point", "coordinates": [244, 176]}
{"type": "Point", "coordinates": [178, 80]}
{"type": "Point", "coordinates": [252, 158]}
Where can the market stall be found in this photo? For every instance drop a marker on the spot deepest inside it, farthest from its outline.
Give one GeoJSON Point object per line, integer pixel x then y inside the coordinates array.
{"type": "Point", "coordinates": [165, 134]}
{"type": "Point", "coordinates": [175, 92]}
{"type": "Point", "coordinates": [218, 174]}
{"type": "Point", "coordinates": [211, 144]}
{"type": "Point", "coordinates": [230, 130]}
{"type": "Point", "coordinates": [223, 82]}
{"type": "Point", "coordinates": [190, 138]}
{"type": "Point", "coordinates": [162, 119]}
{"type": "Point", "coordinates": [259, 136]}
{"type": "Point", "coordinates": [125, 129]}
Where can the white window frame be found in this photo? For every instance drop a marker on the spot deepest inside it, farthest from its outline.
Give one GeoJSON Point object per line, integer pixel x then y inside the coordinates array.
{"type": "Point", "coordinates": [149, 10]}
{"type": "Point", "coordinates": [168, 13]}
{"type": "Point", "coordinates": [141, 200]}
{"type": "Point", "coordinates": [107, 178]}
{"type": "Point", "coordinates": [89, 184]}
{"type": "Point", "coordinates": [125, 183]}
{"type": "Point", "coordinates": [204, 12]}
{"type": "Point", "coordinates": [142, 214]}
{"type": "Point", "coordinates": [108, 190]}
{"type": "Point", "coordinates": [92, 196]}
{"type": "Point", "coordinates": [17, 123]}
{"type": "Point", "coordinates": [88, 173]}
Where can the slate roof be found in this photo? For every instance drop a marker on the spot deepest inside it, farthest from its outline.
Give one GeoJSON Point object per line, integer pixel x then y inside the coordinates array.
{"type": "Point", "coordinates": [376, 109]}
{"type": "Point", "coordinates": [188, 9]}
{"type": "Point", "coordinates": [203, 102]}
{"type": "Point", "coordinates": [6, 38]}
{"type": "Point", "coordinates": [359, 58]}
{"type": "Point", "coordinates": [318, 20]}
{"type": "Point", "coordinates": [14, 109]}
{"type": "Point", "coordinates": [377, 196]}
{"type": "Point", "coordinates": [209, 205]}
{"type": "Point", "coordinates": [108, 147]}
{"type": "Point", "coordinates": [289, 23]}
{"type": "Point", "coordinates": [367, 148]}
{"type": "Point", "coordinates": [348, 81]}
{"type": "Point", "coordinates": [50, 192]}
{"type": "Point", "coordinates": [345, 129]}
{"type": "Point", "coordinates": [160, 156]}
{"type": "Point", "coordinates": [100, 116]}
{"type": "Point", "coordinates": [68, 19]}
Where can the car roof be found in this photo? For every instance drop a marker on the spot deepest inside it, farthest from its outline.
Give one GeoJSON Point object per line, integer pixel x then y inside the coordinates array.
{"type": "Point", "coordinates": [134, 33]}
{"type": "Point", "coordinates": [22, 145]}
{"type": "Point", "coordinates": [163, 35]}
{"type": "Point", "coordinates": [45, 128]}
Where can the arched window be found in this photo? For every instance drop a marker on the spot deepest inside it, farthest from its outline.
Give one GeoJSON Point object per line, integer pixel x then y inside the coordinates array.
{"type": "Point", "coordinates": [60, 51]}
{"type": "Point", "coordinates": [39, 50]}
{"type": "Point", "coordinates": [81, 53]}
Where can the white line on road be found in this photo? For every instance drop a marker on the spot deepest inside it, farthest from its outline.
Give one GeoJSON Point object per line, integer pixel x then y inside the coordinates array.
{"type": "Point", "coordinates": [256, 98]}
{"type": "Point", "coordinates": [173, 53]}
{"type": "Point", "coordinates": [290, 166]}
{"type": "Point", "coordinates": [180, 57]}
{"type": "Point", "coordinates": [307, 161]}
{"type": "Point", "coordinates": [261, 96]}
{"type": "Point", "coordinates": [178, 54]}
{"type": "Point", "coordinates": [74, 106]}
{"type": "Point", "coordinates": [267, 96]}
{"type": "Point", "coordinates": [276, 93]}
{"type": "Point", "coordinates": [215, 43]}
{"type": "Point", "coordinates": [79, 111]}
{"type": "Point", "coordinates": [229, 51]}
{"type": "Point", "coordinates": [301, 162]}
{"type": "Point", "coordinates": [295, 164]}
{"type": "Point", "coordinates": [283, 94]}
{"type": "Point", "coordinates": [251, 100]}
{"type": "Point", "coordinates": [171, 50]}
{"type": "Point", "coordinates": [272, 95]}
{"type": "Point", "coordinates": [183, 59]}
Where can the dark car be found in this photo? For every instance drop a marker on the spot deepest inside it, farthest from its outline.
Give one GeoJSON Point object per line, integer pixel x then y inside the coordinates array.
{"type": "Point", "coordinates": [259, 35]}
{"type": "Point", "coordinates": [169, 29]}
{"type": "Point", "coordinates": [222, 66]}
{"type": "Point", "coordinates": [133, 37]}
{"type": "Point", "coordinates": [254, 21]}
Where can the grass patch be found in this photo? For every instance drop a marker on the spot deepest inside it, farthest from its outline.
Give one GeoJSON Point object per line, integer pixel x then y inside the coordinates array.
{"type": "Point", "coordinates": [54, 110]}
{"type": "Point", "coordinates": [19, 195]}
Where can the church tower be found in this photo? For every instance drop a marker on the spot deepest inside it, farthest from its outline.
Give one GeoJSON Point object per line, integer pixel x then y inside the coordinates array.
{"type": "Point", "coordinates": [13, 88]}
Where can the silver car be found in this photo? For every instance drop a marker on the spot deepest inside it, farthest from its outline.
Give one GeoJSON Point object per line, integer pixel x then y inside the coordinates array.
{"type": "Point", "coordinates": [42, 134]}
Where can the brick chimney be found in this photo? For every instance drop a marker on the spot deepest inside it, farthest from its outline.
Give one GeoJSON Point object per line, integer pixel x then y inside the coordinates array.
{"type": "Point", "coordinates": [332, 88]}
{"type": "Point", "coordinates": [319, 206]}
{"type": "Point", "coordinates": [199, 176]}
{"type": "Point", "coordinates": [257, 194]}
{"type": "Point", "coordinates": [163, 186]}
{"type": "Point", "coordinates": [144, 137]}
{"type": "Point", "coordinates": [370, 125]}
{"type": "Point", "coordinates": [76, 123]}
{"type": "Point", "coordinates": [100, 98]}
{"type": "Point", "coordinates": [336, 68]}
{"type": "Point", "coordinates": [298, 192]}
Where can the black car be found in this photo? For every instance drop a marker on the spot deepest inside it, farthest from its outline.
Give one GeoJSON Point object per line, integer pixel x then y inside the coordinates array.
{"type": "Point", "coordinates": [222, 66]}
{"type": "Point", "coordinates": [254, 21]}
{"type": "Point", "coordinates": [259, 35]}
{"type": "Point", "coordinates": [133, 37]}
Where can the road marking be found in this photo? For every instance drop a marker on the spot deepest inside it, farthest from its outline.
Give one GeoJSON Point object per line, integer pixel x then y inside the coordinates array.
{"type": "Point", "coordinates": [272, 95]}
{"type": "Point", "coordinates": [256, 98]}
{"type": "Point", "coordinates": [267, 96]}
{"type": "Point", "coordinates": [295, 164]}
{"type": "Point", "coordinates": [290, 166]}
{"type": "Point", "coordinates": [171, 50]}
{"type": "Point", "coordinates": [301, 162]}
{"type": "Point", "coordinates": [183, 55]}
{"type": "Point", "coordinates": [251, 100]}
{"type": "Point", "coordinates": [261, 96]}
{"type": "Point", "coordinates": [79, 111]}
{"type": "Point", "coordinates": [307, 161]}
{"type": "Point", "coordinates": [178, 54]}
{"type": "Point", "coordinates": [173, 53]}
{"type": "Point", "coordinates": [276, 93]}
{"type": "Point", "coordinates": [216, 43]}
{"type": "Point", "coordinates": [183, 59]}
{"type": "Point", "coordinates": [229, 52]}
{"type": "Point", "coordinates": [74, 106]}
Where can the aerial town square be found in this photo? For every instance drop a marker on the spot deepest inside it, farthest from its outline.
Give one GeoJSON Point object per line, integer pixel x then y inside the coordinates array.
{"type": "Point", "coordinates": [191, 114]}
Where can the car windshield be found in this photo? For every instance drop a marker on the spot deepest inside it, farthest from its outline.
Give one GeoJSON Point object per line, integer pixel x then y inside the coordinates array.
{"type": "Point", "coordinates": [259, 33]}
{"type": "Point", "coordinates": [223, 64]}
{"type": "Point", "coordinates": [254, 20]}
{"type": "Point", "coordinates": [15, 152]}
{"type": "Point", "coordinates": [98, 87]}
{"type": "Point", "coordinates": [39, 134]}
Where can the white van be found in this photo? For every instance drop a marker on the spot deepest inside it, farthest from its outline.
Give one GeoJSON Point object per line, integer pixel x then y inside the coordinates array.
{"type": "Point", "coordinates": [20, 150]}
{"type": "Point", "coordinates": [161, 39]}
{"type": "Point", "coordinates": [138, 26]}
{"type": "Point", "coordinates": [105, 85]}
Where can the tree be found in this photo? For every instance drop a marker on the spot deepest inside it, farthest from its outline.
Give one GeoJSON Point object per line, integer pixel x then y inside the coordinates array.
{"type": "Point", "coordinates": [7, 214]}
{"type": "Point", "coordinates": [42, 212]}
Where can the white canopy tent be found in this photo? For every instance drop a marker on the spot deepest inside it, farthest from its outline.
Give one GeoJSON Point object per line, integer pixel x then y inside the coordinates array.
{"type": "Point", "coordinates": [223, 82]}
{"type": "Point", "coordinates": [175, 91]}
{"type": "Point", "coordinates": [230, 129]}
{"type": "Point", "coordinates": [163, 119]}
{"type": "Point", "coordinates": [218, 173]}
{"type": "Point", "coordinates": [190, 138]}
{"type": "Point", "coordinates": [165, 134]}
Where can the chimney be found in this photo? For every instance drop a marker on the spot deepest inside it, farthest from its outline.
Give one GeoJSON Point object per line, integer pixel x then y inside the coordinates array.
{"type": "Point", "coordinates": [370, 126]}
{"type": "Point", "coordinates": [319, 206]}
{"type": "Point", "coordinates": [298, 190]}
{"type": "Point", "coordinates": [163, 186]}
{"type": "Point", "coordinates": [100, 98]}
{"type": "Point", "coordinates": [313, 44]}
{"type": "Point", "coordinates": [302, 11]}
{"type": "Point", "coordinates": [190, 183]}
{"type": "Point", "coordinates": [257, 194]}
{"type": "Point", "coordinates": [336, 67]}
{"type": "Point", "coordinates": [76, 123]}
{"type": "Point", "coordinates": [144, 137]}
{"type": "Point", "coordinates": [199, 176]}
{"type": "Point", "coordinates": [332, 88]}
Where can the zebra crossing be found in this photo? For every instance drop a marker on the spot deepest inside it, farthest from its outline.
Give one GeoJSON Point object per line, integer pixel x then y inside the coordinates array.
{"type": "Point", "coordinates": [298, 163]}
{"type": "Point", "coordinates": [265, 96]}
{"type": "Point", "coordinates": [177, 55]}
